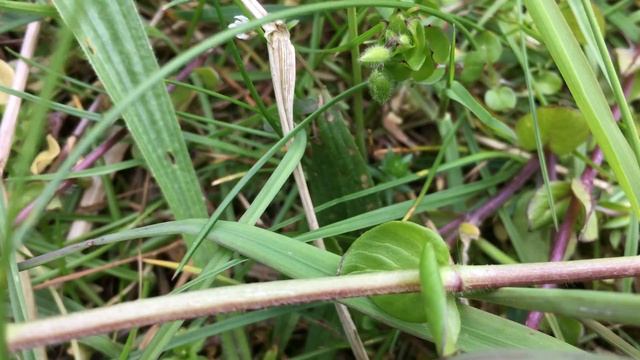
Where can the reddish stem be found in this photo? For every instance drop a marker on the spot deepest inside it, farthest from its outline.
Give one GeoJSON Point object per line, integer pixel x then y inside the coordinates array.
{"type": "Point", "coordinates": [561, 238]}
{"type": "Point", "coordinates": [477, 216]}
{"type": "Point", "coordinates": [98, 152]}
{"type": "Point", "coordinates": [552, 162]}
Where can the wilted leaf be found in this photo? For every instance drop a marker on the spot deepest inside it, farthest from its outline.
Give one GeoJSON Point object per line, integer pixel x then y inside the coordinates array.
{"type": "Point", "coordinates": [615, 237]}
{"type": "Point", "coordinates": [46, 157]}
{"type": "Point", "coordinates": [469, 230]}
{"type": "Point", "coordinates": [6, 79]}
{"type": "Point", "coordinates": [589, 231]}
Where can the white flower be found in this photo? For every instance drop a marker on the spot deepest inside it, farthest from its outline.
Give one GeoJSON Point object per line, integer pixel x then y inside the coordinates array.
{"type": "Point", "coordinates": [239, 20]}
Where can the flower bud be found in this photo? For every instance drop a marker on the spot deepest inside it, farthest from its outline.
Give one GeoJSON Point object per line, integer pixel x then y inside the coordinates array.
{"type": "Point", "coordinates": [375, 55]}
{"type": "Point", "coordinates": [380, 86]}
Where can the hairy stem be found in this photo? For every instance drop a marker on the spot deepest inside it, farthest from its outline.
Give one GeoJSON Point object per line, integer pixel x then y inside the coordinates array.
{"type": "Point", "coordinates": [275, 293]}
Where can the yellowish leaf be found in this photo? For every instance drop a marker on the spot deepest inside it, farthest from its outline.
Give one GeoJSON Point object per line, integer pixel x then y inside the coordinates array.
{"type": "Point", "coordinates": [173, 265]}
{"type": "Point", "coordinates": [6, 79]}
{"type": "Point", "coordinates": [46, 157]}
{"type": "Point", "coordinates": [469, 230]}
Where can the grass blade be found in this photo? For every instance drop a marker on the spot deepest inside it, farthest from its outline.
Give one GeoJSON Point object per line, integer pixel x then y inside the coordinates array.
{"type": "Point", "coordinates": [534, 114]}
{"type": "Point", "coordinates": [584, 87]}
{"type": "Point", "coordinates": [588, 304]}
{"type": "Point", "coordinates": [106, 31]}
{"type": "Point", "coordinates": [461, 95]}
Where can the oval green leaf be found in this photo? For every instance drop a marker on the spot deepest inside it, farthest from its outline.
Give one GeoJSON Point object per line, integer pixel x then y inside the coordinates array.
{"type": "Point", "coordinates": [489, 44]}
{"type": "Point", "coordinates": [547, 82]}
{"type": "Point", "coordinates": [562, 129]}
{"type": "Point", "coordinates": [539, 213]}
{"type": "Point", "coordinates": [391, 246]}
{"type": "Point", "coordinates": [500, 99]}
{"type": "Point", "coordinates": [438, 43]}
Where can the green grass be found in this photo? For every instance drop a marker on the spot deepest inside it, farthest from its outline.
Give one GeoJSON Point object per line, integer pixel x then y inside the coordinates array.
{"type": "Point", "coordinates": [450, 154]}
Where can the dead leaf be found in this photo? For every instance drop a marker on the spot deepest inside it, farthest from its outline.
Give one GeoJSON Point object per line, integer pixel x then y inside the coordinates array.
{"type": "Point", "coordinates": [6, 79]}
{"type": "Point", "coordinates": [46, 157]}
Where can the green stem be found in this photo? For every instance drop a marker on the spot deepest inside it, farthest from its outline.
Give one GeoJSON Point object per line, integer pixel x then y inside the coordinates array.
{"type": "Point", "coordinates": [494, 252]}
{"type": "Point", "coordinates": [358, 106]}
{"type": "Point", "coordinates": [534, 115]}
{"type": "Point", "coordinates": [612, 338]}
{"type": "Point", "coordinates": [434, 169]}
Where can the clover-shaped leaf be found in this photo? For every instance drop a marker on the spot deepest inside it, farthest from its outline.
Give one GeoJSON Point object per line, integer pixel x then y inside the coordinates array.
{"type": "Point", "coordinates": [489, 45]}
{"type": "Point", "coordinates": [548, 82]}
{"type": "Point", "coordinates": [500, 99]}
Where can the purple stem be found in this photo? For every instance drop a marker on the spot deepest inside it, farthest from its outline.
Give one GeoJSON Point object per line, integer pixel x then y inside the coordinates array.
{"type": "Point", "coordinates": [552, 162]}
{"type": "Point", "coordinates": [561, 238]}
{"type": "Point", "coordinates": [84, 123]}
{"type": "Point", "coordinates": [476, 217]}
{"type": "Point", "coordinates": [184, 73]}
{"type": "Point", "coordinates": [93, 156]}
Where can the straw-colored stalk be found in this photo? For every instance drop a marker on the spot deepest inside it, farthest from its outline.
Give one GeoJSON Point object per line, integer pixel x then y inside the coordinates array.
{"type": "Point", "coordinates": [282, 61]}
